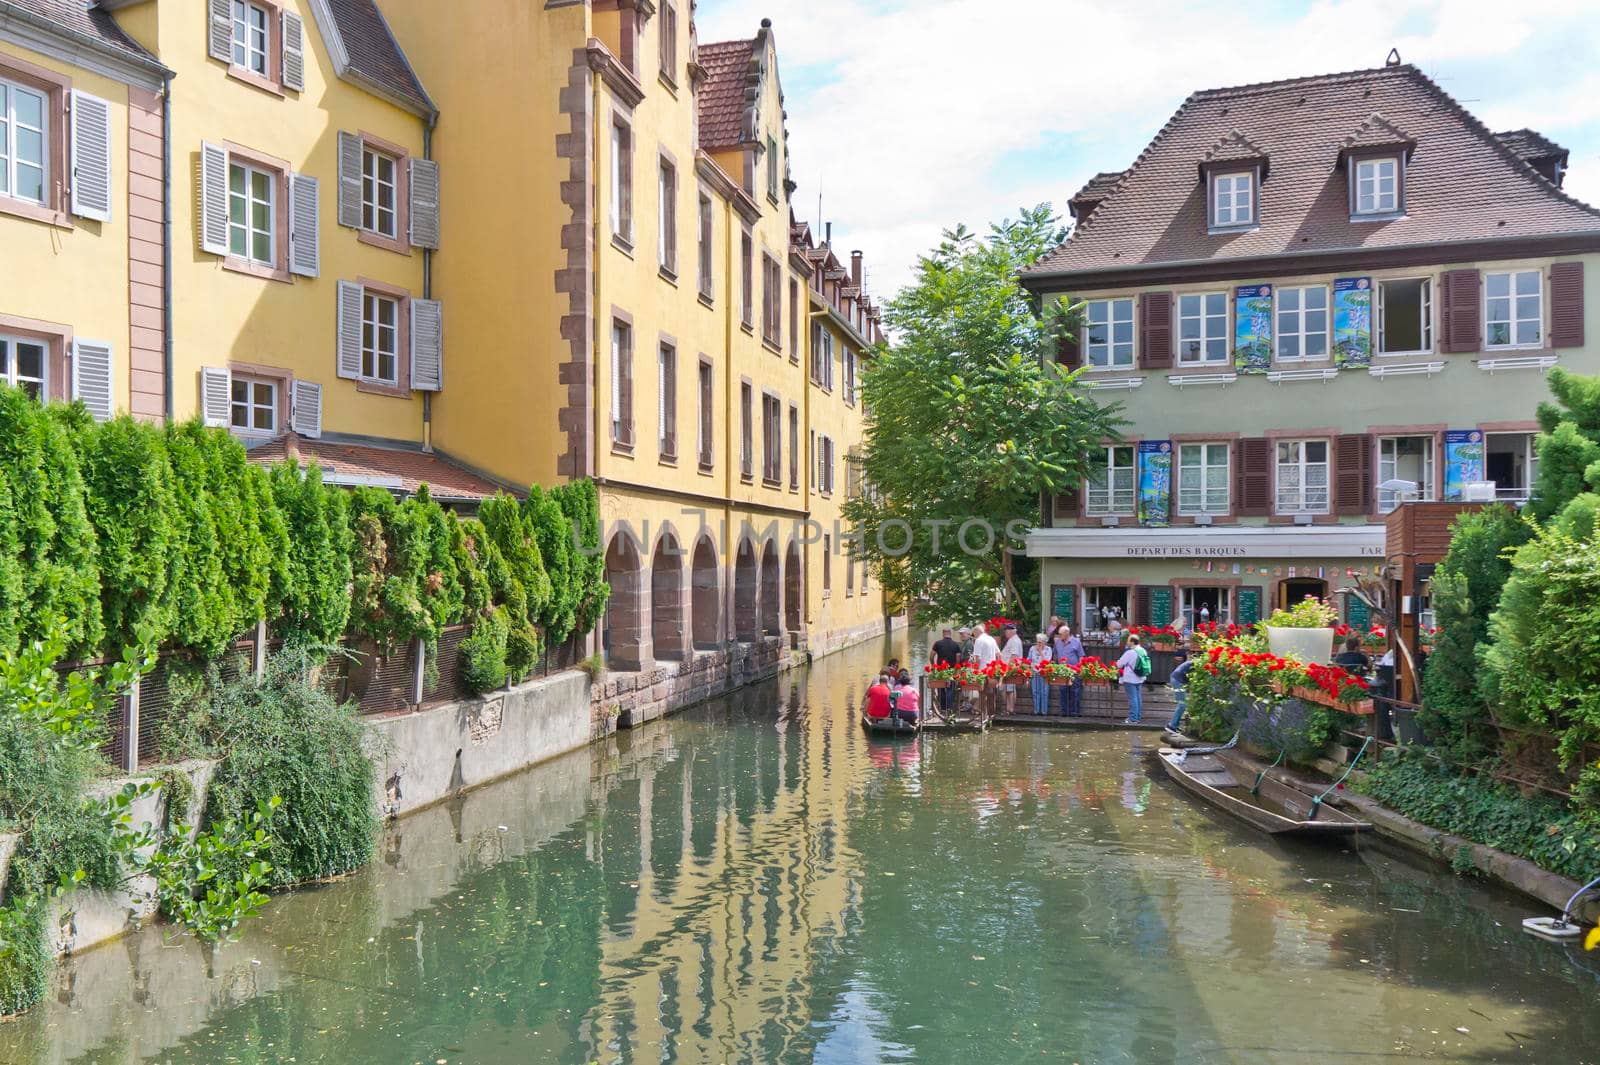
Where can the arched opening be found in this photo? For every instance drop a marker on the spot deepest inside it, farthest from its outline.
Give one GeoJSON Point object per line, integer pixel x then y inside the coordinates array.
{"type": "Point", "coordinates": [746, 625]}
{"type": "Point", "coordinates": [771, 591]}
{"type": "Point", "coordinates": [792, 589]}
{"type": "Point", "coordinates": [1294, 589]}
{"type": "Point", "coordinates": [624, 635]}
{"type": "Point", "coordinates": [707, 595]}
{"type": "Point", "coordinates": [667, 630]}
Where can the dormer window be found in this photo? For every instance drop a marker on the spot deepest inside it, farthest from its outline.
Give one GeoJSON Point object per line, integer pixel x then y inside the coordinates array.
{"type": "Point", "coordinates": [1233, 199]}
{"type": "Point", "coordinates": [1377, 186]}
{"type": "Point", "coordinates": [1374, 157]}
{"type": "Point", "coordinates": [1233, 171]}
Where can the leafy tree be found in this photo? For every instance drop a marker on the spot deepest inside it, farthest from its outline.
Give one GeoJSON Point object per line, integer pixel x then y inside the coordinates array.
{"type": "Point", "coordinates": [553, 534]}
{"type": "Point", "coordinates": [580, 502]}
{"type": "Point", "coordinates": [315, 604]}
{"type": "Point", "coordinates": [1568, 444]}
{"type": "Point", "coordinates": [203, 605]}
{"type": "Point", "coordinates": [969, 421]}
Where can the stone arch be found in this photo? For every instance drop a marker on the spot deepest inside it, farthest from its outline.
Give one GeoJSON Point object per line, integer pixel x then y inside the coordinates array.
{"type": "Point", "coordinates": [669, 630]}
{"type": "Point", "coordinates": [746, 575]}
{"type": "Point", "coordinates": [706, 585]}
{"type": "Point", "coordinates": [793, 588]}
{"type": "Point", "coordinates": [626, 635]}
{"type": "Point", "coordinates": [771, 590]}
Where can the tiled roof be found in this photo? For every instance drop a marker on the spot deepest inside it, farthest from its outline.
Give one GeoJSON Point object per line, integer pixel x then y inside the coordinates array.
{"type": "Point", "coordinates": [374, 54]}
{"type": "Point", "coordinates": [1462, 183]}
{"type": "Point", "coordinates": [401, 469]}
{"type": "Point", "coordinates": [1098, 186]}
{"type": "Point", "coordinates": [1378, 131]}
{"type": "Point", "coordinates": [83, 20]}
{"type": "Point", "coordinates": [1233, 147]}
{"type": "Point", "coordinates": [1531, 144]}
{"type": "Point", "coordinates": [724, 101]}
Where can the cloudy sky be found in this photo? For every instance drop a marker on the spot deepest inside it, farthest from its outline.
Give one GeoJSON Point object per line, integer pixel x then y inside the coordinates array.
{"type": "Point", "coordinates": [912, 115]}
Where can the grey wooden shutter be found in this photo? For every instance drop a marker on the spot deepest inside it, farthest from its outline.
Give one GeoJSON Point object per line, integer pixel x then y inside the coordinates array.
{"type": "Point", "coordinates": [219, 32]}
{"type": "Point", "coordinates": [91, 157]}
{"type": "Point", "coordinates": [305, 408]}
{"type": "Point", "coordinates": [349, 180]}
{"type": "Point", "coordinates": [349, 329]}
{"type": "Point", "coordinates": [1460, 313]}
{"type": "Point", "coordinates": [1566, 304]}
{"type": "Point", "coordinates": [424, 183]}
{"type": "Point", "coordinates": [92, 377]}
{"type": "Point", "coordinates": [213, 199]}
{"type": "Point", "coordinates": [1155, 330]}
{"type": "Point", "coordinates": [216, 395]}
{"type": "Point", "coordinates": [305, 243]}
{"type": "Point", "coordinates": [427, 345]}
{"type": "Point", "coordinates": [294, 52]}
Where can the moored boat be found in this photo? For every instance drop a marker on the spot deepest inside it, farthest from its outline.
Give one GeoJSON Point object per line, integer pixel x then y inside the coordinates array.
{"type": "Point", "coordinates": [1273, 807]}
{"type": "Point", "coordinates": [890, 726]}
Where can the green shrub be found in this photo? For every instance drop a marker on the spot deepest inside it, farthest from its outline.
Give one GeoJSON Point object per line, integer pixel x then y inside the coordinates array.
{"type": "Point", "coordinates": [406, 584]}
{"type": "Point", "coordinates": [581, 503]}
{"type": "Point", "coordinates": [468, 544]}
{"type": "Point", "coordinates": [315, 601]}
{"type": "Point", "coordinates": [483, 652]}
{"type": "Point", "coordinates": [522, 651]}
{"type": "Point", "coordinates": [522, 586]}
{"type": "Point", "coordinates": [553, 534]}
{"type": "Point", "coordinates": [1568, 444]}
{"type": "Point", "coordinates": [204, 608]}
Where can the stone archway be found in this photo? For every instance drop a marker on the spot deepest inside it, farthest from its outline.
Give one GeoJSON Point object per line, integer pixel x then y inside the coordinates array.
{"type": "Point", "coordinates": [793, 589]}
{"type": "Point", "coordinates": [706, 590]}
{"type": "Point", "coordinates": [625, 637]}
{"type": "Point", "coordinates": [771, 590]}
{"type": "Point", "coordinates": [668, 624]}
{"type": "Point", "coordinates": [746, 623]}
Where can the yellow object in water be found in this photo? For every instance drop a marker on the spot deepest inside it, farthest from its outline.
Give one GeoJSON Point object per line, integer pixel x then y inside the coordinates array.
{"type": "Point", "coordinates": [1593, 940]}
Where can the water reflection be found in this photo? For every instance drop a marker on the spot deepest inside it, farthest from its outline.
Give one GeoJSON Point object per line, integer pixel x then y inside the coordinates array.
{"type": "Point", "coordinates": [760, 882]}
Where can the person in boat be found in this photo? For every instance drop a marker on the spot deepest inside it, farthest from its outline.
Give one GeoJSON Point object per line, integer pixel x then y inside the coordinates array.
{"type": "Point", "coordinates": [1352, 658]}
{"type": "Point", "coordinates": [879, 703]}
{"type": "Point", "coordinates": [891, 668]}
{"type": "Point", "coordinates": [1132, 668]}
{"type": "Point", "coordinates": [907, 704]}
{"type": "Point", "coordinates": [1011, 652]}
{"type": "Point", "coordinates": [946, 652]}
{"type": "Point", "coordinates": [1068, 648]}
{"type": "Point", "coordinates": [1179, 683]}
{"type": "Point", "coordinates": [1040, 653]}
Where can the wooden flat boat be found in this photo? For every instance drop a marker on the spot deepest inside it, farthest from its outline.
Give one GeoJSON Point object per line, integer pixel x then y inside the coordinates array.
{"type": "Point", "coordinates": [1276, 809]}
{"type": "Point", "coordinates": [890, 726]}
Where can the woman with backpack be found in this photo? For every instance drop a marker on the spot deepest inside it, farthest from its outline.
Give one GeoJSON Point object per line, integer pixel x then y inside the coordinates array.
{"type": "Point", "coordinates": [1132, 668]}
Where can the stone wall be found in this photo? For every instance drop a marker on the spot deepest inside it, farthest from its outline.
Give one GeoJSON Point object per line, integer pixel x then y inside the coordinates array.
{"type": "Point", "coordinates": [667, 687]}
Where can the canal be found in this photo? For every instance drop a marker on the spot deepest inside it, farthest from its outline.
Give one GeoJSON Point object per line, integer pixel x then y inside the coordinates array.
{"type": "Point", "coordinates": [755, 881]}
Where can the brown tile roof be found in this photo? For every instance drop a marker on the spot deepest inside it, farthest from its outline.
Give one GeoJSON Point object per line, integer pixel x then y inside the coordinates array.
{"type": "Point", "coordinates": [399, 468]}
{"type": "Point", "coordinates": [85, 21]}
{"type": "Point", "coordinates": [1233, 147]}
{"type": "Point", "coordinates": [1378, 132]}
{"type": "Point", "coordinates": [1095, 190]}
{"type": "Point", "coordinates": [1462, 182]}
{"type": "Point", "coordinates": [374, 54]}
{"type": "Point", "coordinates": [724, 100]}
{"type": "Point", "coordinates": [1531, 144]}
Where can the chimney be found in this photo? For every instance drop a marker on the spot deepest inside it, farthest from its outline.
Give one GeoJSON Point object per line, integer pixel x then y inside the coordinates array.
{"type": "Point", "coordinates": [828, 238]}
{"type": "Point", "coordinates": [855, 268]}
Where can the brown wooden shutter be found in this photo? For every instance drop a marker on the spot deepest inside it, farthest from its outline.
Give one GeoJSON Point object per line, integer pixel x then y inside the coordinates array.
{"type": "Point", "coordinates": [1064, 504]}
{"type": "Point", "coordinates": [1155, 330]}
{"type": "Point", "coordinates": [1068, 353]}
{"type": "Point", "coordinates": [1253, 474]}
{"type": "Point", "coordinates": [1353, 474]}
{"type": "Point", "coordinates": [1460, 313]}
{"type": "Point", "coordinates": [1141, 605]}
{"type": "Point", "coordinates": [1566, 305]}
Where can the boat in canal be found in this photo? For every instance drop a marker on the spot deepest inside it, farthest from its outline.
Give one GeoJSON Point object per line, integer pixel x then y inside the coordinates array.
{"type": "Point", "coordinates": [1272, 806]}
{"type": "Point", "coordinates": [890, 726]}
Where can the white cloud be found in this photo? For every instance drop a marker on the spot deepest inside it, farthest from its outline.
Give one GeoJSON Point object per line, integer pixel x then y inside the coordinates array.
{"type": "Point", "coordinates": [916, 115]}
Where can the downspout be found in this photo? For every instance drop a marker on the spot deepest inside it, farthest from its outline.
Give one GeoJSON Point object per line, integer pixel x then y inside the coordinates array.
{"type": "Point", "coordinates": [427, 283]}
{"type": "Point", "coordinates": [166, 246]}
{"type": "Point", "coordinates": [733, 428]}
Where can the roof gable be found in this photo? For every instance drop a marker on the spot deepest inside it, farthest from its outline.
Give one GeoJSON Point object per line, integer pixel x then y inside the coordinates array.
{"type": "Point", "coordinates": [366, 53]}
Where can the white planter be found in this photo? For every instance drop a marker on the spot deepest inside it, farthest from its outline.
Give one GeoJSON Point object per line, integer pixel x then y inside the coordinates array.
{"type": "Point", "coordinates": [1308, 645]}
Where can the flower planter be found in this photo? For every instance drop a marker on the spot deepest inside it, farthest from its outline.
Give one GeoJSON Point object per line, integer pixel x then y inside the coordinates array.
{"type": "Point", "coordinates": [1308, 645]}
{"type": "Point", "coordinates": [1163, 660]}
{"type": "Point", "coordinates": [1322, 698]}
{"type": "Point", "coordinates": [1057, 682]}
{"type": "Point", "coordinates": [971, 686]}
{"type": "Point", "coordinates": [945, 683]}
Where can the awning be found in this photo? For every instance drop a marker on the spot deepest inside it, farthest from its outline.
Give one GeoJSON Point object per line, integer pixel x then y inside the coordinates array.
{"type": "Point", "coordinates": [1253, 541]}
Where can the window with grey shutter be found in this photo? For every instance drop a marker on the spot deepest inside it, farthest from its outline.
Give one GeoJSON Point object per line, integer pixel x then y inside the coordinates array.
{"type": "Point", "coordinates": [219, 32]}
{"type": "Point", "coordinates": [349, 180]}
{"type": "Point", "coordinates": [427, 345]}
{"type": "Point", "coordinates": [294, 52]}
{"type": "Point", "coordinates": [91, 377]}
{"type": "Point", "coordinates": [216, 391]}
{"type": "Point", "coordinates": [349, 330]}
{"type": "Point", "coordinates": [305, 408]}
{"type": "Point", "coordinates": [213, 199]}
{"type": "Point", "coordinates": [305, 246]}
{"type": "Point", "coordinates": [91, 157]}
{"type": "Point", "coordinates": [424, 182]}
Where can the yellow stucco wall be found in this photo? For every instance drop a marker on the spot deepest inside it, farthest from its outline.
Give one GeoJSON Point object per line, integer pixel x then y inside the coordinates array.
{"type": "Point", "coordinates": [221, 316]}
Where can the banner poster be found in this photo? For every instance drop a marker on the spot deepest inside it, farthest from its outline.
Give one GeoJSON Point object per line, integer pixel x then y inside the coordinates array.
{"type": "Point", "coordinates": [1252, 328]}
{"type": "Point", "coordinates": [1463, 461]}
{"type": "Point", "coordinates": [1352, 321]}
{"type": "Point", "coordinates": [1155, 481]}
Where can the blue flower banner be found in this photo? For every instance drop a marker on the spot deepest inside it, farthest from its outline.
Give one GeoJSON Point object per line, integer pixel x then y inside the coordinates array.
{"type": "Point", "coordinates": [1463, 461]}
{"type": "Point", "coordinates": [1252, 328]}
{"type": "Point", "coordinates": [1352, 321]}
{"type": "Point", "coordinates": [1155, 482]}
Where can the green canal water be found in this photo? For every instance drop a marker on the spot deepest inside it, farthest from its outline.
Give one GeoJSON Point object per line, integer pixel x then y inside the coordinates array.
{"type": "Point", "coordinates": [756, 881]}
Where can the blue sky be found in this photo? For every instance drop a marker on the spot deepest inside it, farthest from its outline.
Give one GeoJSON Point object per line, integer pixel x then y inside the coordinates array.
{"type": "Point", "coordinates": [913, 115]}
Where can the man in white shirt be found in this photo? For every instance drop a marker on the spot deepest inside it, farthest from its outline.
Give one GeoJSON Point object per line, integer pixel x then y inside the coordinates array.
{"type": "Point", "coordinates": [984, 651]}
{"type": "Point", "coordinates": [1011, 652]}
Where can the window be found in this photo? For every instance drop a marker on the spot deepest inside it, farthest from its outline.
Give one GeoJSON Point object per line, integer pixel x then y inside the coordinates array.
{"type": "Point", "coordinates": [706, 280]}
{"type": "Point", "coordinates": [667, 222]}
{"type": "Point", "coordinates": [1233, 199]}
{"type": "Point", "coordinates": [794, 320]}
{"type": "Point", "coordinates": [707, 413]}
{"type": "Point", "coordinates": [825, 465]}
{"type": "Point", "coordinates": [1511, 461]}
{"type": "Point", "coordinates": [669, 42]}
{"type": "Point", "coordinates": [254, 405]}
{"type": "Point", "coordinates": [1111, 485]}
{"type": "Point", "coordinates": [252, 211]}
{"type": "Point", "coordinates": [622, 181]}
{"type": "Point", "coordinates": [1302, 323]}
{"type": "Point", "coordinates": [1108, 336]}
{"type": "Point", "coordinates": [747, 270]}
{"type": "Point", "coordinates": [1405, 316]}
{"type": "Point", "coordinates": [771, 300]}
{"type": "Point", "coordinates": [1404, 458]}
{"type": "Point", "coordinates": [1377, 186]}
{"type": "Point", "coordinates": [24, 142]}
{"type": "Point", "coordinates": [1202, 328]}
{"type": "Point", "coordinates": [250, 35]}
{"type": "Point", "coordinates": [849, 376]}
{"type": "Point", "coordinates": [827, 564]}
{"type": "Point", "coordinates": [1205, 604]}
{"type": "Point", "coordinates": [378, 200]}
{"type": "Point", "coordinates": [1302, 477]}
{"type": "Point", "coordinates": [771, 439]}
{"type": "Point", "coordinates": [772, 168]}
{"type": "Point", "coordinates": [1513, 309]}
{"type": "Point", "coordinates": [621, 383]}
{"type": "Point", "coordinates": [849, 565]}
{"type": "Point", "coordinates": [25, 364]}
{"type": "Point", "coordinates": [380, 338]}
{"type": "Point", "coordinates": [667, 405]}
{"type": "Point", "coordinates": [746, 429]}
{"type": "Point", "coordinates": [794, 448]}
{"type": "Point", "coordinates": [1202, 478]}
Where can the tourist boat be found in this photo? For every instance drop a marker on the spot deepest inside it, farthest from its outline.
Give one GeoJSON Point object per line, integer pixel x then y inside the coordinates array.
{"type": "Point", "coordinates": [1275, 808]}
{"type": "Point", "coordinates": [890, 726]}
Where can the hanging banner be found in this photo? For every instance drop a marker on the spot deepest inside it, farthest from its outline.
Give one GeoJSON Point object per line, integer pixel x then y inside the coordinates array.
{"type": "Point", "coordinates": [1352, 321]}
{"type": "Point", "coordinates": [1463, 461]}
{"type": "Point", "coordinates": [1252, 328]}
{"type": "Point", "coordinates": [1155, 482]}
